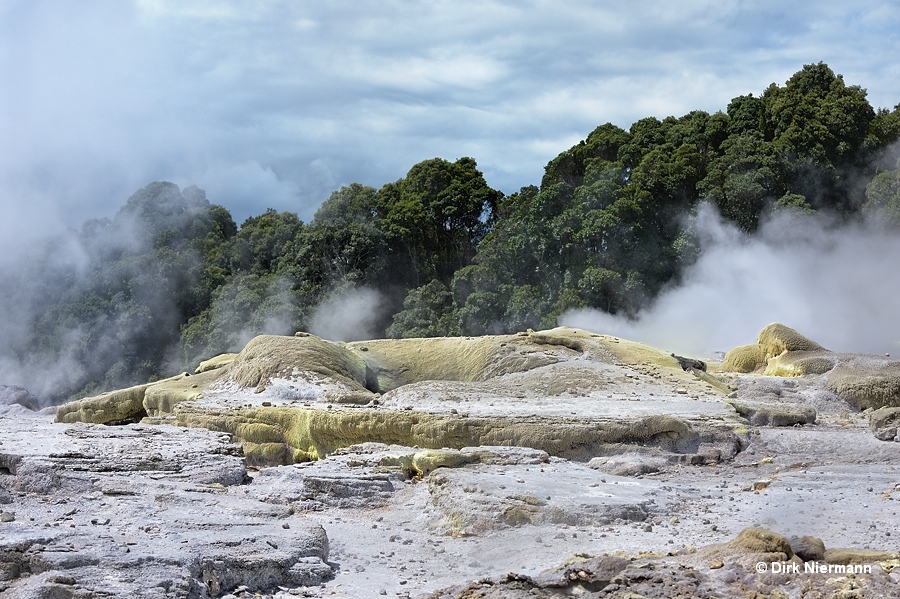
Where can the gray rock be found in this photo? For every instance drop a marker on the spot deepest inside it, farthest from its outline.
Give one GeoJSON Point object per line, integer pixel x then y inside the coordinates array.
{"type": "Point", "coordinates": [592, 573]}
{"type": "Point", "coordinates": [486, 497]}
{"type": "Point", "coordinates": [885, 423]}
{"type": "Point", "coordinates": [629, 464]}
{"type": "Point", "coordinates": [774, 414]}
{"type": "Point", "coordinates": [808, 548]}
{"type": "Point", "coordinates": [10, 394]}
{"type": "Point", "coordinates": [142, 511]}
{"type": "Point", "coordinates": [327, 483]}
{"type": "Point", "coordinates": [256, 565]}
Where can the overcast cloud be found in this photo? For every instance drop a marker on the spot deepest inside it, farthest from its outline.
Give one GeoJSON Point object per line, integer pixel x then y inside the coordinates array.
{"type": "Point", "coordinates": [276, 103]}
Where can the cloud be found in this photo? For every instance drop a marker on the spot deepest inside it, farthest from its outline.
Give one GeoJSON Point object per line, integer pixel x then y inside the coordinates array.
{"type": "Point", "coordinates": [245, 185]}
{"type": "Point", "coordinates": [832, 283]}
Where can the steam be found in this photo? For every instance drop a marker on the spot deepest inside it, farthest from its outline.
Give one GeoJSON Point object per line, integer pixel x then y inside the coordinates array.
{"type": "Point", "coordinates": [63, 331]}
{"type": "Point", "coordinates": [836, 284]}
{"type": "Point", "coordinates": [348, 315]}
{"type": "Point", "coordinates": [52, 352]}
{"type": "Point", "coordinates": [32, 275]}
{"type": "Point", "coordinates": [270, 309]}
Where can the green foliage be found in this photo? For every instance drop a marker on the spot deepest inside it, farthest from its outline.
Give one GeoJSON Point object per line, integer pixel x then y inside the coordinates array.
{"type": "Point", "coordinates": [354, 204]}
{"type": "Point", "coordinates": [260, 244]}
{"type": "Point", "coordinates": [793, 201]}
{"type": "Point", "coordinates": [436, 216]}
{"type": "Point", "coordinates": [746, 114]}
{"type": "Point", "coordinates": [427, 312]}
{"type": "Point", "coordinates": [345, 242]}
{"type": "Point", "coordinates": [606, 228]}
{"type": "Point", "coordinates": [821, 124]}
{"type": "Point", "coordinates": [747, 175]}
{"type": "Point", "coordinates": [880, 144]}
{"type": "Point", "coordinates": [883, 194]}
{"type": "Point", "coordinates": [816, 116]}
{"type": "Point", "coordinates": [601, 287]}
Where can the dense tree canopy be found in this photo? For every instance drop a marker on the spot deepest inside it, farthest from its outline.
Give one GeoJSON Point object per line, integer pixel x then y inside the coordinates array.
{"type": "Point", "coordinates": [171, 279]}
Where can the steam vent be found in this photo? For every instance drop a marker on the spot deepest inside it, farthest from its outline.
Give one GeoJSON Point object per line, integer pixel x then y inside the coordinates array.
{"type": "Point", "coordinates": [539, 464]}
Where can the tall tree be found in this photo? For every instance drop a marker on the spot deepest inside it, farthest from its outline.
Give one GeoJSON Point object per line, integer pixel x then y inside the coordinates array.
{"type": "Point", "coordinates": [438, 214]}
{"type": "Point", "coordinates": [821, 123]}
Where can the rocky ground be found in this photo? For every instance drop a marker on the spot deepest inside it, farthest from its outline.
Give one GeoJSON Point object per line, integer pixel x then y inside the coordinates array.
{"type": "Point", "coordinates": [696, 509]}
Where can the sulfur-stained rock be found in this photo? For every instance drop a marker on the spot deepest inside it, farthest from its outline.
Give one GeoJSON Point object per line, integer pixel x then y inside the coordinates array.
{"type": "Point", "coordinates": [393, 363]}
{"type": "Point", "coordinates": [799, 363]}
{"type": "Point", "coordinates": [863, 381]}
{"type": "Point", "coordinates": [161, 398]}
{"type": "Point", "coordinates": [776, 338]}
{"type": "Point", "coordinates": [281, 371]}
{"type": "Point", "coordinates": [310, 358]}
{"type": "Point", "coordinates": [426, 461]}
{"type": "Point", "coordinates": [744, 358]}
{"type": "Point", "coordinates": [749, 547]}
{"type": "Point", "coordinates": [867, 384]}
{"type": "Point", "coordinates": [312, 433]}
{"type": "Point", "coordinates": [214, 363]}
{"type": "Point", "coordinates": [267, 454]}
{"type": "Point", "coordinates": [134, 403]}
{"type": "Point", "coordinates": [779, 351]}
{"type": "Point", "coordinates": [114, 406]}
{"type": "Point", "coordinates": [760, 540]}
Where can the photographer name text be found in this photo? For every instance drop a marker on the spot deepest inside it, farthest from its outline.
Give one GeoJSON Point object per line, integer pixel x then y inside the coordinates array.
{"type": "Point", "coordinates": [812, 568]}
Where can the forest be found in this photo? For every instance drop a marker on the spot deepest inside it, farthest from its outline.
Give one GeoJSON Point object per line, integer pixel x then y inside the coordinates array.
{"type": "Point", "coordinates": [171, 279]}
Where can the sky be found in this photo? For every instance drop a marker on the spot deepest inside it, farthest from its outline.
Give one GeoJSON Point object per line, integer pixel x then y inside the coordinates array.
{"type": "Point", "coordinates": [277, 103]}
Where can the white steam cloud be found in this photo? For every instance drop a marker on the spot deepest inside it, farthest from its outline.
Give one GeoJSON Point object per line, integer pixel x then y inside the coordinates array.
{"type": "Point", "coordinates": [836, 284]}
{"type": "Point", "coordinates": [58, 328]}
{"type": "Point", "coordinates": [348, 315]}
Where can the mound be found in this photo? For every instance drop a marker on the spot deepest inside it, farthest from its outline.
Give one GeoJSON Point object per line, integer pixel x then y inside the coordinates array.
{"type": "Point", "coordinates": [744, 358]}
{"type": "Point", "coordinates": [775, 339]}
{"type": "Point", "coordinates": [781, 351]}
{"type": "Point", "coordinates": [292, 399]}
{"type": "Point", "coordinates": [397, 362]}
{"type": "Point", "coordinates": [760, 540]}
{"type": "Point", "coordinates": [863, 381]}
{"type": "Point", "coordinates": [308, 357]}
{"type": "Point", "coordinates": [863, 386]}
